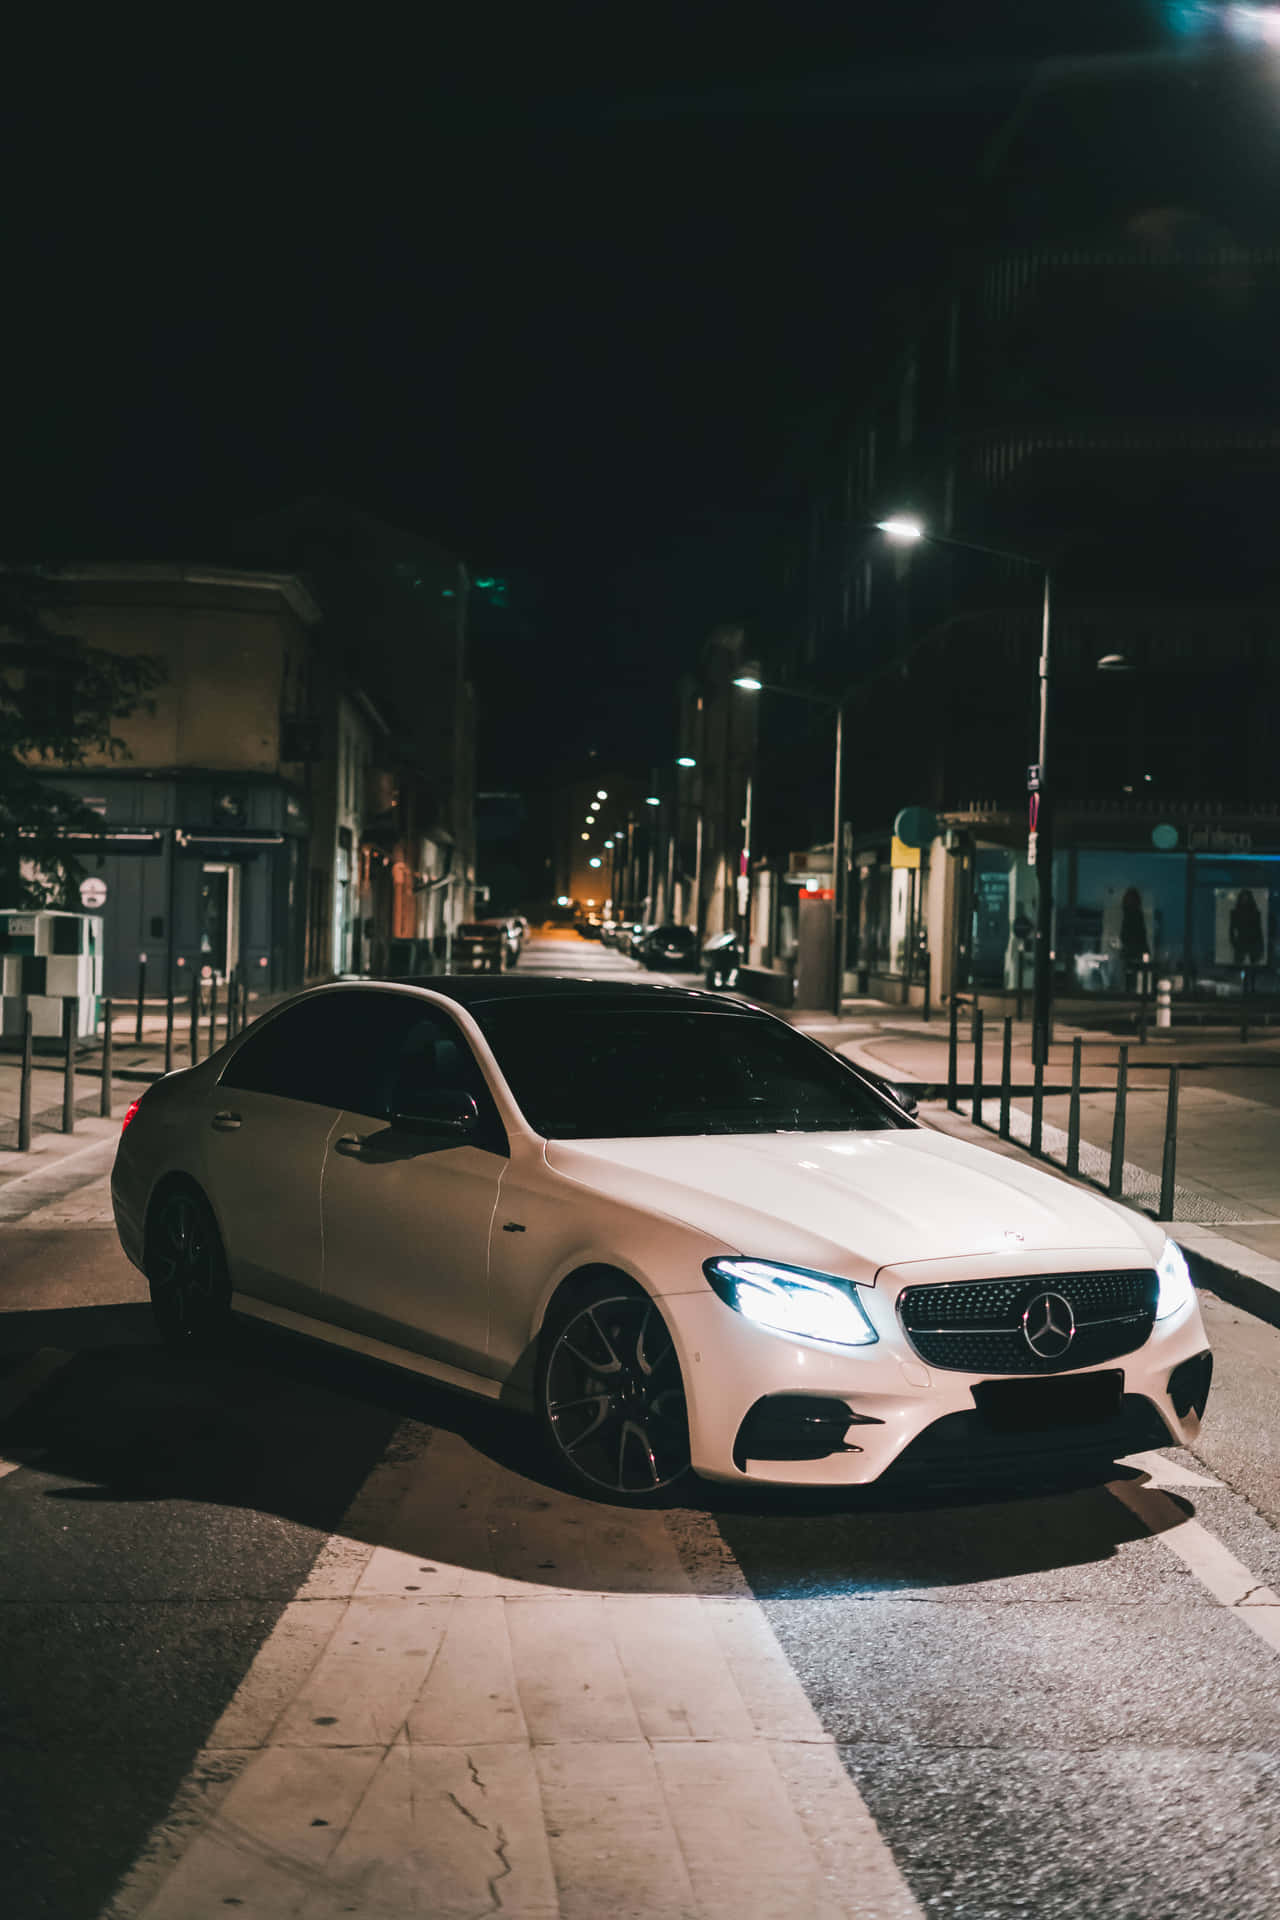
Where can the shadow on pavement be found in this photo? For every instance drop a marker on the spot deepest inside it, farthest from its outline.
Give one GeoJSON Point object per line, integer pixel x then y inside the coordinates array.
{"type": "Point", "coordinates": [291, 1429]}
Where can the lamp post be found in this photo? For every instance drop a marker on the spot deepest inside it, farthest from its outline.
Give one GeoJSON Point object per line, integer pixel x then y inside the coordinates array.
{"type": "Point", "coordinates": [908, 531]}
{"type": "Point", "coordinates": [750, 682]}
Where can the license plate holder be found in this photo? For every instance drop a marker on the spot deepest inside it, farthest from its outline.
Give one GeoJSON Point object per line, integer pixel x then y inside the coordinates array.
{"type": "Point", "coordinates": [1030, 1406]}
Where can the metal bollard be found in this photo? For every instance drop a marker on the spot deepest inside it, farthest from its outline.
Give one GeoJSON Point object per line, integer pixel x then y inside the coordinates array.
{"type": "Point", "coordinates": [953, 1045]}
{"type": "Point", "coordinates": [142, 994]}
{"type": "Point", "coordinates": [1037, 1107]}
{"type": "Point", "coordinates": [232, 998]}
{"type": "Point", "coordinates": [69, 1066]}
{"type": "Point", "coordinates": [104, 1102]}
{"type": "Point", "coordinates": [977, 1065]}
{"type": "Point", "coordinates": [1170, 1161]}
{"type": "Point", "coordinates": [1006, 1077]}
{"type": "Point", "coordinates": [928, 986]}
{"type": "Point", "coordinates": [1115, 1184]}
{"type": "Point", "coordinates": [195, 1017]}
{"type": "Point", "coordinates": [168, 1031]}
{"type": "Point", "coordinates": [213, 1011]}
{"type": "Point", "coordinates": [1164, 1003]}
{"type": "Point", "coordinates": [1073, 1110]}
{"type": "Point", "coordinates": [24, 1087]}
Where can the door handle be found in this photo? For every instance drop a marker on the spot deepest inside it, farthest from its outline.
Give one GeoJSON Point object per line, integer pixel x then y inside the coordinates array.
{"type": "Point", "coordinates": [225, 1122]}
{"type": "Point", "coordinates": [349, 1143]}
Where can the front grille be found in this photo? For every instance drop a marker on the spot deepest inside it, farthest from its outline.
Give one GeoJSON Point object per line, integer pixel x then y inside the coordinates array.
{"type": "Point", "coordinates": [975, 1326]}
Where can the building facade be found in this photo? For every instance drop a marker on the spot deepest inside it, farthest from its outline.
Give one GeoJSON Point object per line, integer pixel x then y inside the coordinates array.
{"type": "Point", "coordinates": [1093, 390]}
{"type": "Point", "coordinates": [203, 852]}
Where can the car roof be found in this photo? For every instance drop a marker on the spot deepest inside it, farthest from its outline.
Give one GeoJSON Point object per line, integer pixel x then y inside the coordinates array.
{"type": "Point", "coordinates": [475, 990]}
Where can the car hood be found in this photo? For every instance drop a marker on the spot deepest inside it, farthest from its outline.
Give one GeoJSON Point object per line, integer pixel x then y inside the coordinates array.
{"type": "Point", "coordinates": [853, 1203]}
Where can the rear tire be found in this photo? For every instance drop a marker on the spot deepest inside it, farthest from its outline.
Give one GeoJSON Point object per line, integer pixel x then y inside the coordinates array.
{"type": "Point", "coordinates": [611, 1397]}
{"type": "Point", "coordinates": [187, 1272]}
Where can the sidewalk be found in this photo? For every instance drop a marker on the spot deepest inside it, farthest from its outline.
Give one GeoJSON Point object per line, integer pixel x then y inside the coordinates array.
{"type": "Point", "coordinates": [1227, 1195]}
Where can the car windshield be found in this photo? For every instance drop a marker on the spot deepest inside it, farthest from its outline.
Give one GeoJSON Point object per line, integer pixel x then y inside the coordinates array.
{"type": "Point", "coordinates": [580, 1072]}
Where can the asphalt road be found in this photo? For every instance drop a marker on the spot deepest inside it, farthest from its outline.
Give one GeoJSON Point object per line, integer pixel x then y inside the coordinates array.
{"type": "Point", "coordinates": [1053, 1702]}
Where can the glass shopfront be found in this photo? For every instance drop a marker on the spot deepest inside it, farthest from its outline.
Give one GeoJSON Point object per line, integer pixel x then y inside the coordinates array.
{"type": "Point", "coordinates": [1206, 921]}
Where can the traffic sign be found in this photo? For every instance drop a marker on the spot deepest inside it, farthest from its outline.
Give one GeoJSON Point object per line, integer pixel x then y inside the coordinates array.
{"type": "Point", "coordinates": [1033, 777]}
{"type": "Point", "coordinates": [915, 826]}
{"type": "Point", "coordinates": [93, 891]}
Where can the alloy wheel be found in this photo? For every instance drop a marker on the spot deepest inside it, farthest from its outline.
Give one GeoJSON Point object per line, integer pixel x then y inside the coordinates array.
{"type": "Point", "coordinates": [185, 1268]}
{"type": "Point", "coordinates": [614, 1398]}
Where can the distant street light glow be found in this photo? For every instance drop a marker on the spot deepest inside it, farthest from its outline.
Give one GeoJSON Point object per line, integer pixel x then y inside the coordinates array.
{"type": "Point", "coordinates": [586, 836]}
{"type": "Point", "coordinates": [748, 683]}
{"type": "Point", "coordinates": [901, 527]}
{"type": "Point", "coordinates": [686, 760]}
{"type": "Point", "coordinates": [594, 861]}
{"type": "Point", "coordinates": [563, 900]}
{"type": "Point", "coordinates": [652, 800]}
{"type": "Point", "coordinates": [601, 794]}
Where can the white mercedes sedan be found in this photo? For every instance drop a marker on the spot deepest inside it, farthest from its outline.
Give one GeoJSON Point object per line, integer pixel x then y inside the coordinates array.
{"type": "Point", "coordinates": [678, 1231]}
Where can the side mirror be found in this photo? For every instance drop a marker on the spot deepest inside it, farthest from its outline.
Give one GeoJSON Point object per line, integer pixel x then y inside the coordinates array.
{"type": "Point", "coordinates": [442, 1110]}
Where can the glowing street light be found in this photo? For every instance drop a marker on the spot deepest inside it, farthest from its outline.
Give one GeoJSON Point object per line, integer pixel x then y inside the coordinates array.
{"type": "Point", "coordinates": [601, 794]}
{"type": "Point", "coordinates": [652, 800]}
{"type": "Point", "coordinates": [749, 680]}
{"type": "Point", "coordinates": [586, 836]}
{"type": "Point", "coordinates": [900, 527]}
{"type": "Point", "coordinates": [594, 861]}
{"type": "Point", "coordinates": [686, 760]}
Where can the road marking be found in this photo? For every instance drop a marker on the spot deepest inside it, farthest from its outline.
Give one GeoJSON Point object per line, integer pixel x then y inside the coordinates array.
{"type": "Point", "coordinates": [1167, 1473]}
{"type": "Point", "coordinates": [49, 1167]}
{"type": "Point", "coordinates": [24, 1384]}
{"type": "Point", "coordinates": [1226, 1578]}
{"type": "Point", "coordinates": [490, 1695]}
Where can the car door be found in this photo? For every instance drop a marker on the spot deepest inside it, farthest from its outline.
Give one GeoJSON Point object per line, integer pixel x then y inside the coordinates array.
{"type": "Point", "coordinates": [274, 1106]}
{"type": "Point", "coordinates": [407, 1217]}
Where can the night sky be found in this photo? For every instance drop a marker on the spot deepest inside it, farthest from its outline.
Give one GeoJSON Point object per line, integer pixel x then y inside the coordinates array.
{"type": "Point", "coordinates": [566, 289]}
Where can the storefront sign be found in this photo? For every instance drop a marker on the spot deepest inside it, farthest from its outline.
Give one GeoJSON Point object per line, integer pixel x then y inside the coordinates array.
{"type": "Point", "coordinates": [93, 892]}
{"type": "Point", "coordinates": [1219, 840]}
{"type": "Point", "coordinates": [900, 855]}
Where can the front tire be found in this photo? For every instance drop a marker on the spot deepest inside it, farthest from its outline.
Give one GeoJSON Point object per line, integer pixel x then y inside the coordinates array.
{"type": "Point", "coordinates": [187, 1271]}
{"type": "Point", "coordinates": [611, 1396]}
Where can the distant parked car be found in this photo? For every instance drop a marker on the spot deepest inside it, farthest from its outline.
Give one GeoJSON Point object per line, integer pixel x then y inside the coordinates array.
{"type": "Point", "coordinates": [721, 959]}
{"type": "Point", "coordinates": [590, 926]}
{"type": "Point", "coordinates": [480, 946]}
{"type": "Point", "coordinates": [670, 946]}
{"type": "Point", "coordinates": [637, 934]}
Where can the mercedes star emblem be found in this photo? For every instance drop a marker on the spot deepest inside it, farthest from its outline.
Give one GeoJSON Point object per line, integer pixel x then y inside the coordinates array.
{"type": "Point", "coordinates": [1048, 1326]}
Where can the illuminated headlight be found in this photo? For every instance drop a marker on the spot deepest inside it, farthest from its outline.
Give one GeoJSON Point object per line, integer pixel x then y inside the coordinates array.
{"type": "Point", "coordinates": [792, 1300]}
{"type": "Point", "coordinates": [1176, 1290]}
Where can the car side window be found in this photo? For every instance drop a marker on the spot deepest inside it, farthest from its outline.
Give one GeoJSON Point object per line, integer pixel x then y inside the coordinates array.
{"type": "Point", "coordinates": [428, 1053]}
{"type": "Point", "coordinates": [291, 1055]}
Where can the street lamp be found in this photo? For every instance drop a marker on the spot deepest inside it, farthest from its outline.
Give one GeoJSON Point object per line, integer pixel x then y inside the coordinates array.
{"type": "Point", "coordinates": [906, 530]}
{"type": "Point", "coordinates": [750, 682]}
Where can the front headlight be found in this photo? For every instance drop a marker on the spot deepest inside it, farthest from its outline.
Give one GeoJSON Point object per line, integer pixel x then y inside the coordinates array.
{"type": "Point", "coordinates": [1176, 1289]}
{"type": "Point", "coordinates": [792, 1300]}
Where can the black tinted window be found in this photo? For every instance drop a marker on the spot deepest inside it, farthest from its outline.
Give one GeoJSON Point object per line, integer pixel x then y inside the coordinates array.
{"type": "Point", "coordinates": [583, 1072]}
{"type": "Point", "coordinates": [350, 1049]}
{"type": "Point", "coordinates": [303, 1053]}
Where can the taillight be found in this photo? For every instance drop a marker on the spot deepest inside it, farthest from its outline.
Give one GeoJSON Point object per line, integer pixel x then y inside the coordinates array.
{"type": "Point", "coordinates": [132, 1109]}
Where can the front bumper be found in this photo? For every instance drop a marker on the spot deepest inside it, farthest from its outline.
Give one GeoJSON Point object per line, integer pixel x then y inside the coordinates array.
{"type": "Point", "coordinates": [895, 1402]}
